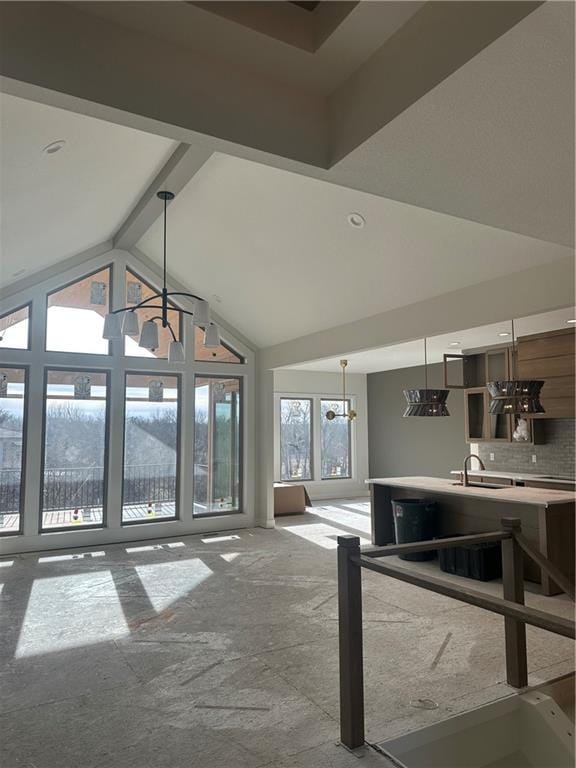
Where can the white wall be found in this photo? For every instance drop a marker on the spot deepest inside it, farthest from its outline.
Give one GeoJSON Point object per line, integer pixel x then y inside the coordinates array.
{"type": "Point", "coordinates": [307, 383]}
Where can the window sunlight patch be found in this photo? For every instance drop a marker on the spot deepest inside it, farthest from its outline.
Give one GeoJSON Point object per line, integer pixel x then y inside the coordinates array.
{"type": "Point", "coordinates": [79, 556]}
{"type": "Point", "coordinates": [342, 517]}
{"type": "Point", "coordinates": [229, 556]}
{"type": "Point", "coordinates": [155, 547]}
{"type": "Point", "coordinates": [167, 582]}
{"type": "Point", "coordinates": [216, 539]}
{"type": "Point", "coordinates": [69, 612]}
{"type": "Point", "coordinates": [319, 533]}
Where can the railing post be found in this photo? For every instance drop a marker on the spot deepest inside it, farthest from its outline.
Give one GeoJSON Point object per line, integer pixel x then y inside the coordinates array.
{"type": "Point", "coordinates": [350, 634]}
{"type": "Point", "coordinates": [513, 583]}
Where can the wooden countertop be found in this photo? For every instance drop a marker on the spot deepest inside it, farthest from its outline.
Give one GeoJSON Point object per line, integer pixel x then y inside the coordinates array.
{"type": "Point", "coordinates": [541, 497]}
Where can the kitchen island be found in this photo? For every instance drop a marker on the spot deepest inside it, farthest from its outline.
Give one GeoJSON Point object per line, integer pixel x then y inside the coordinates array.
{"type": "Point", "coordinates": [547, 515]}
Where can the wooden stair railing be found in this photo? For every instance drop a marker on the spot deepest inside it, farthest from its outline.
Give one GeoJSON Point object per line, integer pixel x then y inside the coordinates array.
{"type": "Point", "coordinates": [516, 615]}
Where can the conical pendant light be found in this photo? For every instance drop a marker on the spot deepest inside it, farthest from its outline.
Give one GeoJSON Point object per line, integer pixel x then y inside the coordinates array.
{"type": "Point", "coordinates": [520, 396]}
{"type": "Point", "coordinates": [426, 402]}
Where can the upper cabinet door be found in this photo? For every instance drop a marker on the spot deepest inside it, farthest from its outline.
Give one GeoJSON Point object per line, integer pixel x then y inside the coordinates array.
{"type": "Point", "coordinates": [456, 371]}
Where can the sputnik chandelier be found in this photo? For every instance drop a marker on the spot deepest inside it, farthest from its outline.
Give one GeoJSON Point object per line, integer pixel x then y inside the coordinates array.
{"type": "Point", "coordinates": [351, 415]}
{"type": "Point", "coordinates": [124, 322]}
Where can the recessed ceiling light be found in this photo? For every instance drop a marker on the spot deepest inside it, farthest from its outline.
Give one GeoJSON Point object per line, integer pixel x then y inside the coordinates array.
{"type": "Point", "coordinates": [504, 333]}
{"type": "Point", "coordinates": [356, 220]}
{"type": "Point", "coordinates": [55, 146]}
{"type": "Point", "coordinates": [571, 321]}
{"type": "Point", "coordinates": [455, 344]}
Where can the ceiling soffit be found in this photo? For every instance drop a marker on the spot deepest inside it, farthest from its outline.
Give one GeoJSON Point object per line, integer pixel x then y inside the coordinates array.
{"type": "Point", "coordinates": [303, 25]}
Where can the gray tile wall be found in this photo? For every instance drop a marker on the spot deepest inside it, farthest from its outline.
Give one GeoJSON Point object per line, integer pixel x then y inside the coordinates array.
{"type": "Point", "coordinates": [554, 457]}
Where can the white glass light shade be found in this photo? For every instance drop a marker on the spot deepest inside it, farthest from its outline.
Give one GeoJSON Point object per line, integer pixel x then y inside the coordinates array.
{"type": "Point", "coordinates": [111, 327]}
{"type": "Point", "coordinates": [201, 312]}
{"type": "Point", "coordinates": [212, 336]}
{"type": "Point", "coordinates": [175, 352]}
{"type": "Point", "coordinates": [149, 335]}
{"type": "Point", "coordinates": [130, 325]}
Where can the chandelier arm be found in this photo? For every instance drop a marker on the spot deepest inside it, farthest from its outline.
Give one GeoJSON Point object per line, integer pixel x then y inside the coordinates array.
{"type": "Point", "coordinates": [152, 306]}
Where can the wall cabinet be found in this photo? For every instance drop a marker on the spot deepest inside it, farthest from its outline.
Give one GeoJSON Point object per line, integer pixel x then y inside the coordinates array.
{"type": "Point", "coordinates": [550, 357]}
{"type": "Point", "coordinates": [495, 364]}
{"type": "Point", "coordinates": [480, 425]}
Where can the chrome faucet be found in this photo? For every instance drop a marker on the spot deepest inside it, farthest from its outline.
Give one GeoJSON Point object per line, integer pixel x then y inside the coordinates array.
{"type": "Point", "coordinates": [465, 473]}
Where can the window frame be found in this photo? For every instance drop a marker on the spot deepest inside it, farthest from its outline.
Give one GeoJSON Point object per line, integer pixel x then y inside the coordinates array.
{"type": "Point", "coordinates": [313, 409]}
{"type": "Point", "coordinates": [23, 460]}
{"type": "Point", "coordinates": [179, 448]}
{"type": "Point", "coordinates": [108, 266]}
{"type": "Point", "coordinates": [27, 305]}
{"type": "Point", "coordinates": [350, 475]}
{"type": "Point", "coordinates": [106, 472]}
{"type": "Point", "coordinates": [35, 291]}
{"type": "Point", "coordinates": [317, 483]}
{"type": "Point", "coordinates": [241, 433]}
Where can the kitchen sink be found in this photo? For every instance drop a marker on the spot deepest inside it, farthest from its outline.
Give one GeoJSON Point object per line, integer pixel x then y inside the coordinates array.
{"type": "Point", "coordinates": [483, 485]}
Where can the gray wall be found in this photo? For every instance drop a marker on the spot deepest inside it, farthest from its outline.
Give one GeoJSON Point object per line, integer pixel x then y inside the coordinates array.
{"type": "Point", "coordinates": [417, 445]}
{"type": "Point", "coordinates": [554, 457]}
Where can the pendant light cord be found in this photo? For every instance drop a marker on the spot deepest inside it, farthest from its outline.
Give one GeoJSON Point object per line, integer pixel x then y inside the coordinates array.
{"type": "Point", "coordinates": [513, 351]}
{"type": "Point", "coordinates": [165, 207]}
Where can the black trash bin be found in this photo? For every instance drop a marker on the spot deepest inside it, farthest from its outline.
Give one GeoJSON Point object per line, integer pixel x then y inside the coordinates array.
{"type": "Point", "coordinates": [415, 520]}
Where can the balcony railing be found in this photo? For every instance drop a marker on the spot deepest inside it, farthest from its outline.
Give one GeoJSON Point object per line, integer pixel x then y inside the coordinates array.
{"type": "Point", "coordinates": [83, 487]}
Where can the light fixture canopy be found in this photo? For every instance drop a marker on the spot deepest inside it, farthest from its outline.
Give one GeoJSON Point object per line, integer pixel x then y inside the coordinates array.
{"type": "Point", "coordinates": [114, 328]}
{"type": "Point", "coordinates": [426, 402]}
{"type": "Point", "coordinates": [516, 396]}
{"type": "Point", "coordinates": [346, 414]}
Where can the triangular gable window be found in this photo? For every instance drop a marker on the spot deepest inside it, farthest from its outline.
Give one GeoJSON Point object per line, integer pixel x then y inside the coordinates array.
{"type": "Point", "coordinates": [75, 315]}
{"type": "Point", "coordinates": [15, 329]}
{"type": "Point", "coordinates": [221, 354]}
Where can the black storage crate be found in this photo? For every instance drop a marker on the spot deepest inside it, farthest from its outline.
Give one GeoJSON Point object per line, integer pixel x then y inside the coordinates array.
{"type": "Point", "coordinates": [482, 562]}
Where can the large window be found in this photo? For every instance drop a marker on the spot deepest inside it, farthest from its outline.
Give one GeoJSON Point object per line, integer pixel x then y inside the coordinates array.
{"type": "Point", "coordinates": [151, 440]}
{"type": "Point", "coordinates": [295, 438]}
{"type": "Point", "coordinates": [12, 431]}
{"type": "Point", "coordinates": [103, 440]}
{"type": "Point", "coordinates": [217, 445]}
{"type": "Point", "coordinates": [75, 315]}
{"type": "Point", "coordinates": [138, 290]}
{"type": "Point", "coordinates": [74, 456]}
{"type": "Point", "coordinates": [336, 438]}
{"type": "Point", "coordinates": [15, 329]}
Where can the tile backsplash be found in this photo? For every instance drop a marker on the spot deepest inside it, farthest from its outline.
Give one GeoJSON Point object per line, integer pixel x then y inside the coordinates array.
{"type": "Point", "coordinates": [554, 457]}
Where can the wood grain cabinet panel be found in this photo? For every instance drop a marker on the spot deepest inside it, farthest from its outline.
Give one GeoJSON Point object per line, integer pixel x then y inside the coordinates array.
{"type": "Point", "coordinates": [550, 357]}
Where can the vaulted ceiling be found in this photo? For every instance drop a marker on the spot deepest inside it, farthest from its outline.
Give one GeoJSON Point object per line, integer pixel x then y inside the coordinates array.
{"type": "Point", "coordinates": [448, 126]}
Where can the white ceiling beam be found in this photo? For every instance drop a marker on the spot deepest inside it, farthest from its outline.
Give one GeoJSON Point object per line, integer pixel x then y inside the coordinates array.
{"type": "Point", "coordinates": [184, 163]}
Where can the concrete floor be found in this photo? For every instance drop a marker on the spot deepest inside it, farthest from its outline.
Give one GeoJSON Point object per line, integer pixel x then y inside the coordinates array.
{"type": "Point", "coordinates": [222, 651]}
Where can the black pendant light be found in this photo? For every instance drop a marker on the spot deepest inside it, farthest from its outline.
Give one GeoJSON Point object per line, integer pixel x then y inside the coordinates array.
{"type": "Point", "coordinates": [426, 402]}
{"type": "Point", "coordinates": [517, 396]}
